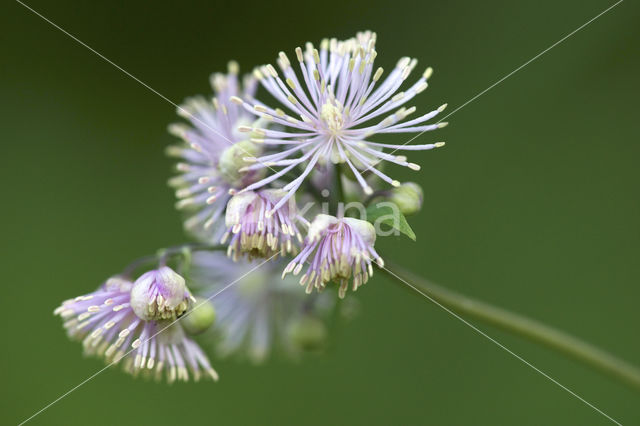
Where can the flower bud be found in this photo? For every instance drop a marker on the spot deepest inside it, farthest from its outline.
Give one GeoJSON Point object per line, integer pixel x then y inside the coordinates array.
{"type": "Point", "coordinates": [408, 197]}
{"type": "Point", "coordinates": [308, 333]}
{"type": "Point", "coordinates": [201, 317]}
{"type": "Point", "coordinates": [160, 294]}
{"type": "Point", "coordinates": [233, 159]}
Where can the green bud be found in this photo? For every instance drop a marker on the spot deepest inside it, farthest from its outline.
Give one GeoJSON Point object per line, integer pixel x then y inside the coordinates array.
{"type": "Point", "coordinates": [199, 319]}
{"type": "Point", "coordinates": [308, 333]}
{"type": "Point", "coordinates": [234, 158]}
{"type": "Point", "coordinates": [408, 197]}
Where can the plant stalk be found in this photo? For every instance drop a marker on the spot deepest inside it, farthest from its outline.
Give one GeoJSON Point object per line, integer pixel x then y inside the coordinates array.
{"type": "Point", "coordinates": [337, 194]}
{"type": "Point", "coordinates": [523, 326]}
{"type": "Point", "coordinates": [163, 255]}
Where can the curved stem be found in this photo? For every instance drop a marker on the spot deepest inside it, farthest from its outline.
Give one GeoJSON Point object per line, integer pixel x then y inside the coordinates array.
{"type": "Point", "coordinates": [521, 325]}
{"type": "Point", "coordinates": [163, 255]}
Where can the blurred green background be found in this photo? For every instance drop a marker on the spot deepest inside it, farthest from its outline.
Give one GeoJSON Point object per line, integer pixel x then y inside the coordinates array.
{"type": "Point", "coordinates": [532, 205]}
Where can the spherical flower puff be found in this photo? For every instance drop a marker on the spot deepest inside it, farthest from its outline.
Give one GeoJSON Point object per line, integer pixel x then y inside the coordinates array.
{"type": "Point", "coordinates": [212, 153]}
{"type": "Point", "coordinates": [335, 106]}
{"type": "Point", "coordinates": [340, 250]}
{"type": "Point", "coordinates": [258, 230]}
{"type": "Point", "coordinates": [109, 326]}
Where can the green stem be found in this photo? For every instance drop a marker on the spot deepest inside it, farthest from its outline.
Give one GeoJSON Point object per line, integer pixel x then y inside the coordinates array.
{"type": "Point", "coordinates": [528, 328]}
{"type": "Point", "coordinates": [337, 194]}
{"type": "Point", "coordinates": [163, 255]}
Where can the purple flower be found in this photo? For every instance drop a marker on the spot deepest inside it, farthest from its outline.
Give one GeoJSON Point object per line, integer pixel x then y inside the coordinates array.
{"type": "Point", "coordinates": [342, 251]}
{"type": "Point", "coordinates": [110, 328]}
{"type": "Point", "coordinates": [335, 107]}
{"type": "Point", "coordinates": [160, 294]}
{"type": "Point", "coordinates": [257, 228]}
{"type": "Point", "coordinates": [212, 153]}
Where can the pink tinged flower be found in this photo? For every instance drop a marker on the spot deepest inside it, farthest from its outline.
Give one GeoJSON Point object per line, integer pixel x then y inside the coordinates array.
{"type": "Point", "coordinates": [337, 103]}
{"type": "Point", "coordinates": [212, 153]}
{"type": "Point", "coordinates": [258, 229]}
{"type": "Point", "coordinates": [338, 250]}
{"type": "Point", "coordinates": [160, 294]}
{"type": "Point", "coordinates": [110, 328]}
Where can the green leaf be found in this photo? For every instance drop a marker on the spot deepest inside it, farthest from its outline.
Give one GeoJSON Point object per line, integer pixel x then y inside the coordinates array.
{"type": "Point", "coordinates": [388, 214]}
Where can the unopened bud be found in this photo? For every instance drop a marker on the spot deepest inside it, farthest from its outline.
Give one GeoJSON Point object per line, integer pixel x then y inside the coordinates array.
{"type": "Point", "coordinates": [234, 158]}
{"type": "Point", "coordinates": [201, 317]}
{"type": "Point", "coordinates": [408, 197]}
{"type": "Point", "coordinates": [160, 294]}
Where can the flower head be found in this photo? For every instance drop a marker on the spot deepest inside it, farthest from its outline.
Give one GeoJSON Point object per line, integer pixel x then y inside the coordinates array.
{"type": "Point", "coordinates": [340, 250]}
{"type": "Point", "coordinates": [335, 108]}
{"type": "Point", "coordinates": [160, 294]}
{"type": "Point", "coordinates": [260, 311]}
{"type": "Point", "coordinates": [212, 153]}
{"type": "Point", "coordinates": [256, 228]}
{"type": "Point", "coordinates": [110, 328]}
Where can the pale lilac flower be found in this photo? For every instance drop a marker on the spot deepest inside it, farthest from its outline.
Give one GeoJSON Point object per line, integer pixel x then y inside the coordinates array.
{"type": "Point", "coordinates": [335, 103]}
{"type": "Point", "coordinates": [160, 294]}
{"type": "Point", "coordinates": [254, 315]}
{"type": "Point", "coordinates": [212, 153]}
{"type": "Point", "coordinates": [109, 328]}
{"type": "Point", "coordinates": [338, 250]}
{"type": "Point", "coordinates": [256, 229]}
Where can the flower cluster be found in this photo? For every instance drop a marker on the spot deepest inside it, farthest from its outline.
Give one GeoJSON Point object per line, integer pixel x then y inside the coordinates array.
{"type": "Point", "coordinates": [262, 183]}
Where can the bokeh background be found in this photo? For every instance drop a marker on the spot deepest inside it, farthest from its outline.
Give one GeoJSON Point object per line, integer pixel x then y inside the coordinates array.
{"type": "Point", "coordinates": [532, 205]}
